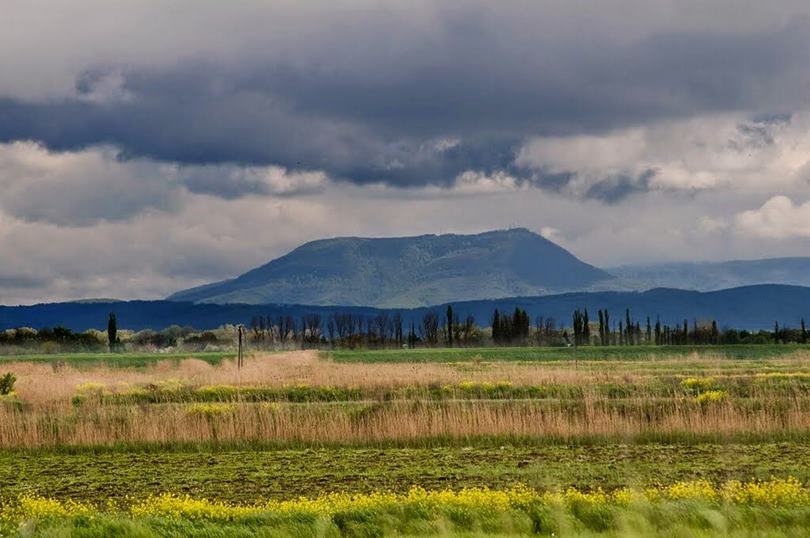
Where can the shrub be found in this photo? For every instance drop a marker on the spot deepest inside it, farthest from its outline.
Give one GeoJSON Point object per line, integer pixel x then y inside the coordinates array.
{"type": "Point", "coordinates": [698, 384]}
{"type": "Point", "coordinates": [7, 383]}
{"type": "Point", "coordinates": [711, 396]}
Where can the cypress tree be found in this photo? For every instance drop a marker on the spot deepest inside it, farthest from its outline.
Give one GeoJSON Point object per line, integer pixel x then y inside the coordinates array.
{"type": "Point", "coordinates": [586, 328]}
{"type": "Point", "coordinates": [658, 331]}
{"type": "Point", "coordinates": [112, 332]}
{"type": "Point", "coordinates": [601, 328]}
{"type": "Point", "coordinates": [449, 326]}
{"type": "Point", "coordinates": [628, 327]}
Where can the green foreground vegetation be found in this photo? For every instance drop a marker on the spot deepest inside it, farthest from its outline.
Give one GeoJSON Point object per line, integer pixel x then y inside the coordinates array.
{"type": "Point", "coordinates": [737, 508]}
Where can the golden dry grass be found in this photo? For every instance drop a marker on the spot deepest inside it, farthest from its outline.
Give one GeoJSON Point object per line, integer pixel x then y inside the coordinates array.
{"type": "Point", "coordinates": [41, 383]}
{"type": "Point", "coordinates": [48, 418]}
{"type": "Point", "coordinates": [393, 421]}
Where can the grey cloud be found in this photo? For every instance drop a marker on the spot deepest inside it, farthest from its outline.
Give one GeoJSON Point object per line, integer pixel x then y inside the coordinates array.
{"type": "Point", "coordinates": [79, 189]}
{"type": "Point", "coordinates": [365, 111]}
{"type": "Point", "coordinates": [22, 282]}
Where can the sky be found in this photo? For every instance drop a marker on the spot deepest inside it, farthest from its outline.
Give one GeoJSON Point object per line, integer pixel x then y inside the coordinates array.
{"type": "Point", "coordinates": [148, 146]}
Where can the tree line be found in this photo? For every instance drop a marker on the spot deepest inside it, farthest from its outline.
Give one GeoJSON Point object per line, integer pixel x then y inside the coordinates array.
{"type": "Point", "coordinates": [392, 330]}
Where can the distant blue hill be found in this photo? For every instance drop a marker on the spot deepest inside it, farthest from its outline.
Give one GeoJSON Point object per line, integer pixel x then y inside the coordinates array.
{"type": "Point", "coordinates": [407, 272]}
{"type": "Point", "coordinates": [750, 307]}
{"type": "Point", "coordinates": [706, 276]}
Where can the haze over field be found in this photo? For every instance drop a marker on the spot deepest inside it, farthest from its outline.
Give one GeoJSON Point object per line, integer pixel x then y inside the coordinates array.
{"type": "Point", "coordinates": [142, 155]}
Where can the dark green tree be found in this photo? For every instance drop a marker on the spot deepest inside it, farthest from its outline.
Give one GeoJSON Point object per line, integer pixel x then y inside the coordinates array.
{"type": "Point", "coordinates": [112, 332]}
{"type": "Point", "coordinates": [628, 327]}
{"type": "Point", "coordinates": [601, 328]}
{"type": "Point", "coordinates": [449, 325]}
{"type": "Point", "coordinates": [586, 328]}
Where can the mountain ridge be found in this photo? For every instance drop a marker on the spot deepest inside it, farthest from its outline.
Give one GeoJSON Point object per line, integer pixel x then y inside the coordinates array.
{"type": "Point", "coordinates": [407, 271]}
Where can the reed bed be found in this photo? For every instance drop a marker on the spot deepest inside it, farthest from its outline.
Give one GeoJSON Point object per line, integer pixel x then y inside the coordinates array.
{"type": "Point", "coordinates": [405, 422]}
{"type": "Point", "coordinates": [43, 383]}
{"type": "Point", "coordinates": [299, 398]}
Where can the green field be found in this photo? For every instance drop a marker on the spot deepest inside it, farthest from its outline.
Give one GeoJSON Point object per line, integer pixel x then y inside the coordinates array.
{"type": "Point", "coordinates": [122, 360]}
{"type": "Point", "coordinates": [115, 492]}
{"type": "Point", "coordinates": [541, 354]}
{"type": "Point", "coordinates": [251, 475]}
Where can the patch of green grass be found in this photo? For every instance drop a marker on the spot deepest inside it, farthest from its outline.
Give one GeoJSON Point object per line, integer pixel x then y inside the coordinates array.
{"type": "Point", "coordinates": [250, 475]}
{"type": "Point", "coordinates": [123, 360]}
{"type": "Point", "coordinates": [539, 354]}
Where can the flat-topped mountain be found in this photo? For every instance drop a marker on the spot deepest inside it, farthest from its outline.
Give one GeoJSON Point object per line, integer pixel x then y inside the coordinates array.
{"type": "Point", "coordinates": [407, 271]}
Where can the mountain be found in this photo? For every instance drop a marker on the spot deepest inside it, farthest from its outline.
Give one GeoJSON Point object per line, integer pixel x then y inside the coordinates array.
{"type": "Point", "coordinates": [407, 271]}
{"type": "Point", "coordinates": [751, 307]}
{"type": "Point", "coordinates": [708, 276]}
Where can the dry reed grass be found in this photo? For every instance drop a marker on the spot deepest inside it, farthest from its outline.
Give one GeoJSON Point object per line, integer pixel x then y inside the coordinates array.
{"type": "Point", "coordinates": [40, 383]}
{"type": "Point", "coordinates": [47, 417]}
{"type": "Point", "coordinates": [391, 422]}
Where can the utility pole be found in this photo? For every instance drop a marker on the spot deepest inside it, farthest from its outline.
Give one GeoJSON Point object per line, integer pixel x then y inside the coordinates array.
{"type": "Point", "coordinates": [240, 359]}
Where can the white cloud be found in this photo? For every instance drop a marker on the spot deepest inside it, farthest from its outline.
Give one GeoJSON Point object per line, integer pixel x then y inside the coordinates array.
{"type": "Point", "coordinates": [549, 232]}
{"type": "Point", "coordinates": [79, 188]}
{"type": "Point", "coordinates": [778, 218]}
{"type": "Point", "coordinates": [714, 152]}
{"type": "Point", "coordinates": [712, 224]}
{"type": "Point", "coordinates": [471, 182]}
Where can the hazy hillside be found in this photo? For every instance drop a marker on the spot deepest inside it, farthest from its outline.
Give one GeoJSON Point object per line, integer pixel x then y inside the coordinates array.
{"type": "Point", "coordinates": [753, 307]}
{"type": "Point", "coordinates": [407, 271]}
{"type": "Point", "coordinates": [713, 276]}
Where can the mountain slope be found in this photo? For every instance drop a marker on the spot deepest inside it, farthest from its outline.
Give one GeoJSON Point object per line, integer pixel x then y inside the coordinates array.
{"type": "Point", "coordinates": [407, 271]}
{"type": "Point", "coordinates": [706, 276]}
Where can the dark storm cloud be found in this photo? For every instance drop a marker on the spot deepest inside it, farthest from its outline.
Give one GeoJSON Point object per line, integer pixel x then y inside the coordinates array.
{"type": "Point", "coordinates": [366, 112]}
{"type": "Point", "coordinates": [614, 189]}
